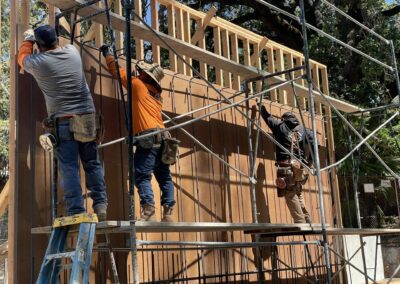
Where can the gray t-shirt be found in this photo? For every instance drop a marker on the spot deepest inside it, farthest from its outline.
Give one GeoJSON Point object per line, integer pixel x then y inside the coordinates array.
{"type": "Point", "coordinates": [59, 74]}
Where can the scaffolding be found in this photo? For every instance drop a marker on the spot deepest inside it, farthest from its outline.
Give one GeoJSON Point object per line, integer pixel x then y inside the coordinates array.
{"type": "Point", "coordinates": [303, 85]}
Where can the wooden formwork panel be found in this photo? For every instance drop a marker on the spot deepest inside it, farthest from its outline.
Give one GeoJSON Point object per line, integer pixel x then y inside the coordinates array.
{"type": "Point", "coordinates": [206, 190]}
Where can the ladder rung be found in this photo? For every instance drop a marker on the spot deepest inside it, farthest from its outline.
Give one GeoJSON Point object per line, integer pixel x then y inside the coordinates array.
{"type": "Point", "coordinates": [75, 219]}
{"type": "Point", "coordinates": [102, 245]}
{"type": "Point", "coordinates": [60, 255]}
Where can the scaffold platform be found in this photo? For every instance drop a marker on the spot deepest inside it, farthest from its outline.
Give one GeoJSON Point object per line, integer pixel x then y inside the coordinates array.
{"type": "Point", "coordinates": [266, 229]}
{"type": "Point", "coordinates": [171, 227]}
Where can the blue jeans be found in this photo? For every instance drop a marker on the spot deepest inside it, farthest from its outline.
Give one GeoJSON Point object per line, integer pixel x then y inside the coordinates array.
{"type": "Point", "coordinates": [68, 152]}
{"type": "Point", "coordinates": [148, 161]}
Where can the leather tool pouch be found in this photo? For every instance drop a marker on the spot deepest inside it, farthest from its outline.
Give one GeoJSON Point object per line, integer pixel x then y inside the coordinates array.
{"type": "Point", "coordinates": [299, 173]}
{"type": "Point", "coordinates": [147, 142]}
{"type": "Point", "coordinates": [84, 127]}
{"type": "Point", "coordinates": [284, 180]}
{"type": "Point", "coordinates": [170, 149]}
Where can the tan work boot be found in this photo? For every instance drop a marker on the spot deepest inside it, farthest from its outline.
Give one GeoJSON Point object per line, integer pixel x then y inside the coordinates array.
{"type": "Point", "coordinates": [147, 213]}
{"type": "Point", "coordinates": [167, 214]}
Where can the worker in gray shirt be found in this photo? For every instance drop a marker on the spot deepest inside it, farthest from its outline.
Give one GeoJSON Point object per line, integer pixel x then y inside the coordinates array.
{"type": "Point", "coordinates": [59, 73]}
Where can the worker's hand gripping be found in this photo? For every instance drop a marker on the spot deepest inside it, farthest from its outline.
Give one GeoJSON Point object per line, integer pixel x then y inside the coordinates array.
{"type": "Point", "coordinates": [105, 50]}
{"type": "Point", "coordinates": [29, 35]}
{"type": "Point", "coordinates": [264, 112]}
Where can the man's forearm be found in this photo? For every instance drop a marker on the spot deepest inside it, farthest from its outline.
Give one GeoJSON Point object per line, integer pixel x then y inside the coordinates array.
{"type": "Point", "coordinates": [24, 50]}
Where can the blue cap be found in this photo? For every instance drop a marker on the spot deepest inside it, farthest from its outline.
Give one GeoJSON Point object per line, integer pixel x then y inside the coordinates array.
{"type": "Point", "coordinates": [46, 36]}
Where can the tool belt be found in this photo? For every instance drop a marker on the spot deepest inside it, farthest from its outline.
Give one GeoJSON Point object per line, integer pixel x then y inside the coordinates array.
{"type": "Point", "coordinates": [165, 140]}
{"type": "Point", "coordinates": [290, 176]}
{"type": "Point", "coordinates": [153, 141]}
{"type": "Point", "coordinates": [86, 127]}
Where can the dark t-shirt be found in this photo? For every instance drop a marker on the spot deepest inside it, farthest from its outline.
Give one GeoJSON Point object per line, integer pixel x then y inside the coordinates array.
{"type": "Point", "coordinates": [283, 133]}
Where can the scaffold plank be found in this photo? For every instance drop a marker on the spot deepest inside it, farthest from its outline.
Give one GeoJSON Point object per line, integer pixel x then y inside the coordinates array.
{"type": "Point", "coordinates": [248, 228]}
{"type": "Point", "coordinates": [184, 48]}
{"type": "Point", "coordinates": [164, 227]}
{"type": "Point", "coordinates": [330, 231]}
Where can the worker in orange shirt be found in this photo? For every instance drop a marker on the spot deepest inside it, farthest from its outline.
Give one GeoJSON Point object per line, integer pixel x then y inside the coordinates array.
{"type": "Point", "coordinates": [146, 116]}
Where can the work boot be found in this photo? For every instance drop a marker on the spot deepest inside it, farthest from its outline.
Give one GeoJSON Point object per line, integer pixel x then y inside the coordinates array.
{"type": "Point", "coordinates": [101, 212]}
{"type": "Point", "coordinates": [147, 213]}
{"type": "Point", "coordinates": [167, 213]}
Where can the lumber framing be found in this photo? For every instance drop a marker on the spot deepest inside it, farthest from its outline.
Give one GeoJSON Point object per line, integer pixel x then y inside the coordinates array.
{"type": "Point", "coordinates": [199, 34]}
{"type": "Point", "coordinates": [186, 49]}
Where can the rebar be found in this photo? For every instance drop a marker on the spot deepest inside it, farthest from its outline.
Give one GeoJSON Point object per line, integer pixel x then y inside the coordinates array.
{"type": "Point", "coordinates": [316, 153]}
{"type": "Point", "coordinates": [132, 218]}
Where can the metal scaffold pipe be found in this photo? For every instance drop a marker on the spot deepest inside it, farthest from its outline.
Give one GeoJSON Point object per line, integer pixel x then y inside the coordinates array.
{"type": "Point", "coordinates": [347, 16]}
{"type": "Point", "coordinates": [316, 153]}
{"type": "Point", "coordinates": [132, 218]}
{"type": "Point", "coordinates": [321, 32]}
{"type": "Point", "coordinates": [363, 141]}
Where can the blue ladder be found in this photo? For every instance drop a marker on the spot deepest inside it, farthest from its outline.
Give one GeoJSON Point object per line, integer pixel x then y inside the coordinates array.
{"type": "Point", "coordinates": [80, 256]}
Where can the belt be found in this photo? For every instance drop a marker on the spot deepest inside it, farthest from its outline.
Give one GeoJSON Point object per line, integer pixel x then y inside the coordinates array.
{"type": "Point", "coordinates": [157, 137]}
{"type": "Point", "coordinates": [284, 163]}
{"type": "Point", "coordinates": [64, 118]}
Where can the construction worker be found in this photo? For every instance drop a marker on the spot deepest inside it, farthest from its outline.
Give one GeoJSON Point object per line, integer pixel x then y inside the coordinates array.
{"type": "Point", "coordinates": [146, 116]}
{"type": "Point", "coordinates": [71, 118]}
{"type": "Point", "coordinates": [290, 173]}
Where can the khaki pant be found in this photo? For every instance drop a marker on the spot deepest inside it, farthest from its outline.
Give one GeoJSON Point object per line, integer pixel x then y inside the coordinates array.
{"type": "Point", "coordinates": [297, 207]}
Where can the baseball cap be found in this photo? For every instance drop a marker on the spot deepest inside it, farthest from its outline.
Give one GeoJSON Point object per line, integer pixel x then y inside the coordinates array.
{"type": "Point", "coordinates": [46, 36]}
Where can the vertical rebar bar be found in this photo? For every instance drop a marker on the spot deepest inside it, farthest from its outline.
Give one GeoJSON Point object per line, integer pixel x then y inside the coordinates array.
{"type": "Point", "coordinates": [252, 160]}
{"type": "Point", "coordinates": [314, 129]}
{"type": "Point", "coordinates": [128, 6]}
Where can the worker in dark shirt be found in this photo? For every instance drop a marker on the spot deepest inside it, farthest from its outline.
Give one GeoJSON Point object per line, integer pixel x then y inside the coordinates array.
{"type": "Point", "coordinates": [290, 173]}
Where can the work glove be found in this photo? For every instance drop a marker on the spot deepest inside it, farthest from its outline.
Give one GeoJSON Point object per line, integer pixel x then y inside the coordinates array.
{"type": "Point", "coordinates": [264, 112]}
{"type": "Point", "coordinates": [105, 50]}
{"type": "Point", "coordinates": [29, 35]}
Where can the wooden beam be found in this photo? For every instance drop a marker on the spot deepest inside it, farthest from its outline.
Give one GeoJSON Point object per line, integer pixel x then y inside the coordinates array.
{"type": "Point", "coordinates": [272, 69]}
{"type": "Point", "coordinates": [13, 196]}
{"type": "Point", "coordinates": [180, 35]}
{"type": "Point", "coordinates": [200, 29]}
{"type": "Point", "coordinates": [291, 99]}
{"type": "Point", "coordinates": [202, 45]}
{"type": "Point", "coordinates": [119, 36]}
{"type": "Point", "coordinates": [186, 32]}
{"type": "Point", "coordinates": [280, 64]}
{"type": "Point", "coordinates": [154, 25]}
{"type": "Point", "coordinates": [194, 52]}
{"type": "Point", "coordinates": [172, 34]}
{"type": "Point", "coordinates": [227, 55]}
{"type": "Point", "coordinates": [218, 52]}
{"type": "Point", "coordinates": [256, 55]}
{"type": "Point", "coordinates": [235, 57]}
{"type": "Point", "coordinates": [4, 200]}
{"type": "Point", "coordinates": [139, 41]}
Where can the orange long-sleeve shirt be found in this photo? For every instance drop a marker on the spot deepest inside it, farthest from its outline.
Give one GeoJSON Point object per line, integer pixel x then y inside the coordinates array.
{"type": "Point", "coordinates": [25, 50]}
{"type": "Point", "coordinates": [146, 110]}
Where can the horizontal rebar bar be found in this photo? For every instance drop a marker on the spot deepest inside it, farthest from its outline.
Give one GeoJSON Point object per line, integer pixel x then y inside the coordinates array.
{"type": "Point", "coordinates": [321, 32]}
{"type": "Point", "coordinates": [224, 244]}
{"type": "Point", "coordinates": [195, 140]}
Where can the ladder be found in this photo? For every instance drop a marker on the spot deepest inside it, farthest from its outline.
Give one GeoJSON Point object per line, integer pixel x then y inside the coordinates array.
{"type": "Point", "coordinates": [80, 256]}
